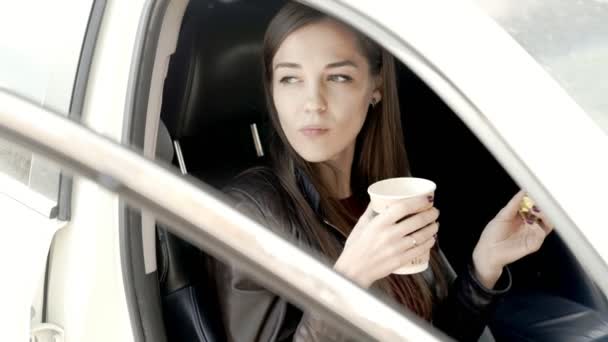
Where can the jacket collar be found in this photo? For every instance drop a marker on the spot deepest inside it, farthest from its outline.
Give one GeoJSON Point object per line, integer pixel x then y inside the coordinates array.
{"type": "Point", "coordinates": [312, 196]}
{"type": "Point", "coordinates": [310, 192]}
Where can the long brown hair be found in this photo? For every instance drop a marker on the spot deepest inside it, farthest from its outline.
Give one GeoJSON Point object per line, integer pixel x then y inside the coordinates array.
{"type": "Point", "coordinates": [379, 154]}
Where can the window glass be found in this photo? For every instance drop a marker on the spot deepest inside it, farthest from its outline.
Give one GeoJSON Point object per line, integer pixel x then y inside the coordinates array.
{"type": "Point", "coordinates": [39, 54]}
{"type": "Point", "coordinates": [569, 39]}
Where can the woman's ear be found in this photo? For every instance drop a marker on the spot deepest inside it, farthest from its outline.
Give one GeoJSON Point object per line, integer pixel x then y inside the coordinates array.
{"type": "Point", "coordinates": [377, 94]}
{"type": "Point", "coordinates": [376, 97]}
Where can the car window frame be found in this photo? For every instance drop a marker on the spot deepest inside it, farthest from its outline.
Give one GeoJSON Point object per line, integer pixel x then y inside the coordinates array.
{"type": "Point", "coordinates": [64, 197]}
{"type": "Point", "coordinates": [428, 61]}
{"type": "Point", "coordinates": [134, 247]}
{"type": "Point", "coordinates": [60, 207]}
{"type": "Point", "coordinates": [439, 82]}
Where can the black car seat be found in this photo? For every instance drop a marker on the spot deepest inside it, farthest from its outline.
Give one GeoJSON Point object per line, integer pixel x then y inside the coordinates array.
{"type": "Point", "coordinates": [189, 311]}
{"type": "Point", "coordinates": [213, 102]}
{"type": "Point", "coordinates": [214, 110]}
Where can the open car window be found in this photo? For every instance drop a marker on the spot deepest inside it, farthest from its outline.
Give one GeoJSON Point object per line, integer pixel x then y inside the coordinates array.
{"type": "Point", "coordinates": [40, 62]}
{"type": "Point", "coordinates": [198, 215]}
{"type": "Point", "coordinates": [205, 123]}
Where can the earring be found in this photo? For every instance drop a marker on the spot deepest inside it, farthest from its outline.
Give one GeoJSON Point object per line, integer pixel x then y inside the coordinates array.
{"type": "Point", "coordinates": [374, 102]}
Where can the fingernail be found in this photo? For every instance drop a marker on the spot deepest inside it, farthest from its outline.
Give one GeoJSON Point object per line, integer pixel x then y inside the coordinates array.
{"type": "Point", "coordinates": [535, 208]}
{"type": "Point", "coordinates": [430, 198]}
{"type": "Point", "coordinates": [530, 221]}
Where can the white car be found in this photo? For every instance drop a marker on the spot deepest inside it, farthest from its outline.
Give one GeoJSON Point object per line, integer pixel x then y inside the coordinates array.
{"type": "Point", "coordinates": [120, 120]}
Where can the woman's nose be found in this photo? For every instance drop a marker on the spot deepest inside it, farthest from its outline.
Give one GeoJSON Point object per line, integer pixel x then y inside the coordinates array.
{"type": "Point", "coordinates": [315, 101]}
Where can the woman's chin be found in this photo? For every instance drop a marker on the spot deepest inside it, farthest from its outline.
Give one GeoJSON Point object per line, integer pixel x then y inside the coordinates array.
{"type": "Point", "coordinates": [314, 157]}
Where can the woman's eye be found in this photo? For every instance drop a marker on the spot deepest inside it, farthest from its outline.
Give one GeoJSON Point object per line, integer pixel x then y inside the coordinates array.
{"type": "Point", "coordinates": [288, 80]}
{"type": "Point", "coordinates": [340, 78]}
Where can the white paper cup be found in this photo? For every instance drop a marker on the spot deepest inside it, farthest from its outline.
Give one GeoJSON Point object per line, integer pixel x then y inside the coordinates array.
{"type": "Point", "coordinates": [385, 192]}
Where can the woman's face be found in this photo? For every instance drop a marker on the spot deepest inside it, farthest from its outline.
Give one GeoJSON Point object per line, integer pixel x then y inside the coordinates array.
{"type": "Point", "coordinates": [322, 88]}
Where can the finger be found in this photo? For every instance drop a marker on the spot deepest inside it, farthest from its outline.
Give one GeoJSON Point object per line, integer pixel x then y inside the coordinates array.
{"type": "Point", "coordinates": [416, 222]}
{"type": "Point", "coordinates": [367, 215]}
{"type": "Point", "coordinates": [517, 247]}
{"type": "Point", "coordinates": [548, 228]}
{"type": "Point", "coordinates": [512, 208]}
{"type": "Point", "coordinates": [395, 259]}
{"type": "Point", "coordinates": [364, 220]}
{"type": "Point", "coordinates": [535, 219]}
{"type": "Point", "coordinates": [544, 222]}
{"type": "Point", "coordinates": [403, 208]}
{"type": "Point", "coordinates": [426, 233]}
{"type": "Point", "coordinates": [417, 251]}
{"type": "Point", "coordinates": [419, 238]}
{"type": "Point", "coordinates": [535, 235]}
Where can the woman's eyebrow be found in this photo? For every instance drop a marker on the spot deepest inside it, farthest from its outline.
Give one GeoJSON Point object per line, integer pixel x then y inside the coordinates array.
{"type": "Point", "coordinates": [341, 64]}
{"type": "Point", "coordinates": [287, 65]}
{"type": "Point", "coordinates": [328, 66]}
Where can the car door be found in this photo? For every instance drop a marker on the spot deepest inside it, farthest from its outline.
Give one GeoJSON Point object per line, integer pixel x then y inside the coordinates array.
{"type": "Point", "coordinates": [495, 120]}
{"type": "Point", "coordinates": [46, 61]}
{"type": "Point", "coordinates": [73, 57]}
{"type": "Point", "coordinates": [85, 284]}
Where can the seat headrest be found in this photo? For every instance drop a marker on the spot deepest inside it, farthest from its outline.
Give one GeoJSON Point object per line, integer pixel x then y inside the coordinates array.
{"type": "Point", "coordinates": [215, 75]}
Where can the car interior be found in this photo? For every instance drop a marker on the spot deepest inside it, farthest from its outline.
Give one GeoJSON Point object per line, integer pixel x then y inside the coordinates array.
{"type": "Point", "coordinates": [214, 125]}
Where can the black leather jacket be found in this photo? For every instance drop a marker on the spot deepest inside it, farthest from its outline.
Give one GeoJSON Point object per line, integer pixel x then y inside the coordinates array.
{"type": "Point", "coordinates": [252, 313]}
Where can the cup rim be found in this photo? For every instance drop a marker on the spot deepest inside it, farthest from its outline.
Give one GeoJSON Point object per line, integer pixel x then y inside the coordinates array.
{"type": "Point", "coordinates": [432, 188]}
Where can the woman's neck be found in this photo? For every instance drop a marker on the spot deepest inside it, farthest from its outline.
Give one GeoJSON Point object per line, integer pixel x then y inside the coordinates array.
{"type": "Point", "coordinates": [336, 173]}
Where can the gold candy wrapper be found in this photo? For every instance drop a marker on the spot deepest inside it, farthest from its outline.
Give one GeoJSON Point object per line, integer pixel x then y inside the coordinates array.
{"type": "Point", "coordinates": [525, 210]}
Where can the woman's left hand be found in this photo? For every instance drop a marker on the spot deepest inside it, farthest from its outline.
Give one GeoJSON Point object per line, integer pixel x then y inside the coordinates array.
{"type": "Point", "coordinates": [507, 238]}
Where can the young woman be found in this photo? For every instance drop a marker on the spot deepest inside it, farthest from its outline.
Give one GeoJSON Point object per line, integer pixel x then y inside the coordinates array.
{"type": "Point", "coordinates": [332, 100]}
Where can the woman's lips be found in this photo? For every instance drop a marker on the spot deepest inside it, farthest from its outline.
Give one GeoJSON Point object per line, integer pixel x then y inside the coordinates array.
{"type": "Point", "coordinates": [313, 131]}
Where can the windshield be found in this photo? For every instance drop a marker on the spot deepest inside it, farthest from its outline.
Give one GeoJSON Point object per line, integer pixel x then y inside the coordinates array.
{"type": "Point", "coordinates": [569, 39]}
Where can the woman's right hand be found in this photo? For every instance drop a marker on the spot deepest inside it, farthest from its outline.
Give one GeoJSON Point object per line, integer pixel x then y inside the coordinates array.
{"type": "Point", "coordinates": [378, 245]}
